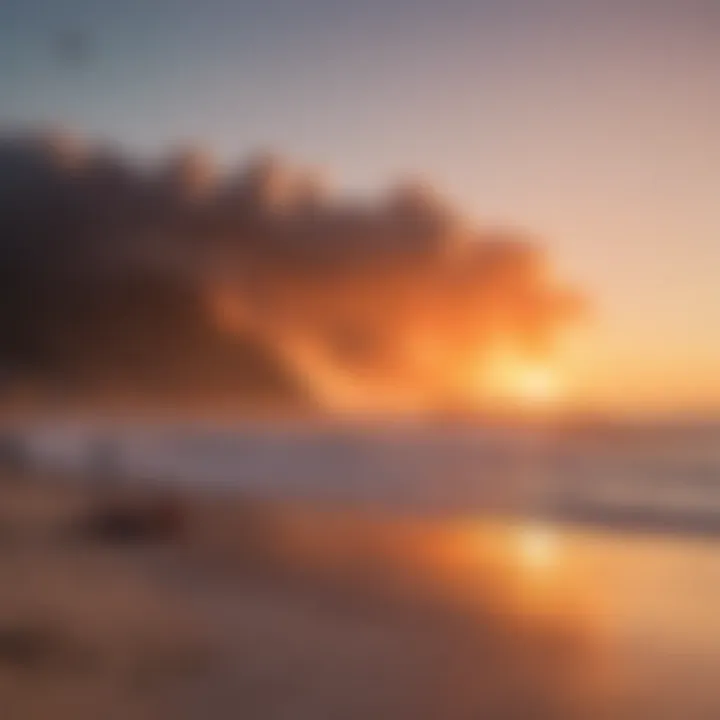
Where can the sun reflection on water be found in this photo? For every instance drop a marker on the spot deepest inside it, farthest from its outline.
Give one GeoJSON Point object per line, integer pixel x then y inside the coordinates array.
{"type": "Point", "coordinates": [538, 547]}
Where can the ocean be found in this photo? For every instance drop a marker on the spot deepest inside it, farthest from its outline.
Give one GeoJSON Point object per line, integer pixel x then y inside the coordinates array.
{"type": "Point", "coordinates": [655, 476]}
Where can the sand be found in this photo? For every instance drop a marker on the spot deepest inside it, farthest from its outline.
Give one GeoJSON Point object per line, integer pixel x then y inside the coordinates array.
{"type": "Point", "coordinates": [239, 609]}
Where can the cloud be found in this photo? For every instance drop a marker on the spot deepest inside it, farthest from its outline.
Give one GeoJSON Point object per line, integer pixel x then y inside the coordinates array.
{"type": "Point", "coordinates": [255, 284]}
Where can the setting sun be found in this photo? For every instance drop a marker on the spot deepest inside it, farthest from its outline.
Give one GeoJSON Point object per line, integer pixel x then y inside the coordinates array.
{"type": "Point", "coordinates": [513, 381]}
{"type": "Point", "coordinates": [537, 384]}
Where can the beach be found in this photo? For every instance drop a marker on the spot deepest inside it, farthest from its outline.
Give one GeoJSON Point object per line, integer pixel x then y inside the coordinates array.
{"type": "Point", "coordinates": [126, 602]}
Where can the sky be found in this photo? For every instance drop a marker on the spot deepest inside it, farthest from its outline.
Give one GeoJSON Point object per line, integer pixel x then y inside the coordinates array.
{"type": "Point", "coordinates": [595, 125]}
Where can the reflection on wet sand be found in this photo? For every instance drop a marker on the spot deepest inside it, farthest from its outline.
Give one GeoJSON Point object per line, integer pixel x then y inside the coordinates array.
{"type": "Point", "coordinates": [210, 605]}
{"type": "Point", "coordinates": [657, 597]}
{"type": "Point", "coordinates": [462, 627]}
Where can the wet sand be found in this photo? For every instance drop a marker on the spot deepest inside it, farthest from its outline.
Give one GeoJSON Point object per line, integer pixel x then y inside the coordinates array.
{"type": "Point", "coordinates": [239, 609]}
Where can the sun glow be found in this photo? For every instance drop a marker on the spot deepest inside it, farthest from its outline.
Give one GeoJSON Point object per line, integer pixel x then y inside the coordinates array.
{"type": "Point", "coordinates": [536, 384]}
{"type": "Point", "coordinates": [512, 381]}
